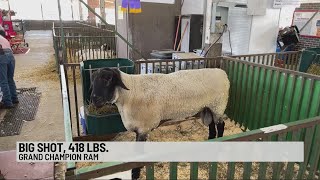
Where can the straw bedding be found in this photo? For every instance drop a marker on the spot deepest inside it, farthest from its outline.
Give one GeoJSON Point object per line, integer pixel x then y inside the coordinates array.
{"type": "Point", "coordinates": [194, 130]}
{"type": "Point", "coordinates": [47, 72]}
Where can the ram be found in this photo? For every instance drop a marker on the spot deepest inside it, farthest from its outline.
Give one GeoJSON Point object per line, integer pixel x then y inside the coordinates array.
{"type": "Point", "coordinates": [146, 100]}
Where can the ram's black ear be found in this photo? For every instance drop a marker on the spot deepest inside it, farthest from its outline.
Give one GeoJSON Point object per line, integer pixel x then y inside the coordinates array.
{"type": "Point", "coordinates": [117, 79]}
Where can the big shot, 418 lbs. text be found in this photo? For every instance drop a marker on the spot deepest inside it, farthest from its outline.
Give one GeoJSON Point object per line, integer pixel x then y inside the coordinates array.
{"type": "Point", "coordinates": [60, 147]}
{"type": "Point", "coordinates": [59, 151]}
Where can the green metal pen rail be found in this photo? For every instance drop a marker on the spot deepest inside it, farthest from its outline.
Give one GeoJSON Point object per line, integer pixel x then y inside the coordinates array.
{"type": "Point", "coordinates": [83, 43]}
{"type": "Point", "coordinates": [260, 96]}
{"type": "Point", "coordinates": [304, 130]}
{"type": "Point", "coordinates": [287, 60]}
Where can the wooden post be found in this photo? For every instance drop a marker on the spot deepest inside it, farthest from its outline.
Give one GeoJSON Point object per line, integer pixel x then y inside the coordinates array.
{"type": "Point", "coordinates": [41, 11]}
{"type": "Point", "coordinates": [72, 10]}
{"type": "Point", "coordinates": [9, 10]}
{"type": "Point", "coordinates": [43, 23]}
{"type": "Point", "coordinates": [80, 11]}
{"type": "Point", "coordinates": [62, 36]}
{"type": "Point", "coordinates": [102, 11]}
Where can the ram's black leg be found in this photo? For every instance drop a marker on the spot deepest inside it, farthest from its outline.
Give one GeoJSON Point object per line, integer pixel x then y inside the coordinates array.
{"type": "Point", "coordinates": [220, 128]}
{"type": "Point", "coordinates": [212, 130]}
{"type": "Point", "coordinates": [135, 173]}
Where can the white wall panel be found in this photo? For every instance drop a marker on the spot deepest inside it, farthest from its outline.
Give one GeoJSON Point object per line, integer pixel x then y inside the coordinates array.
{"type": "Point", "coordinates": [193, 7]}
{"type": "Point", "coordinates": [264, 32]}
{"type": "Point", "coordinates": [239, 24]}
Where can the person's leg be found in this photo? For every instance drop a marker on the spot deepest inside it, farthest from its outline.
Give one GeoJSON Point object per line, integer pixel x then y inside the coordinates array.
{"type": "Point", "coordinates": [11, 82]}
{"type": "Point", "coordinates": [3, 33]}
{"type": "Point", "coordinates": [6, 100]}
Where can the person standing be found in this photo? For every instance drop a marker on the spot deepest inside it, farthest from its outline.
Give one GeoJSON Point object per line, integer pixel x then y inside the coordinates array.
{"type": "Point", "coordinates": [7, 67]}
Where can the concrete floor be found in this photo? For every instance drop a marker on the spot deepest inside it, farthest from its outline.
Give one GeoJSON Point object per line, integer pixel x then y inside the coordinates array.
{"type": "Point", "coordinates": [48, 125]}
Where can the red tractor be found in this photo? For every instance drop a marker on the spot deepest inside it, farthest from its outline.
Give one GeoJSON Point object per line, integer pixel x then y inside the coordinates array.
{"type": "Point", "coordinates": [14, 31]}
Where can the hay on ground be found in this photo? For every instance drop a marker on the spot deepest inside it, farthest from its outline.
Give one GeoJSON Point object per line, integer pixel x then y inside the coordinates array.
{"type": "Point", "coordinates": [49, 72]}
{"type": "Point", "coordinates": [194, 130]}
{"type": "Point", "coordinates": [44, 72]}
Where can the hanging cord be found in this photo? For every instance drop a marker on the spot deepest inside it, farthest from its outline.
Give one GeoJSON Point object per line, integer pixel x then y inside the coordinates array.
{"type": "Point", "coordinates": [215, 25]}
{"type": "Point", "coordinates": [229, 38]}
{"type": "Point", "coordinates": [178, 26]}
{"type": "Point", "coordinates": [181, 4]}
{"type": "Point", "coordinates": [224, 28]}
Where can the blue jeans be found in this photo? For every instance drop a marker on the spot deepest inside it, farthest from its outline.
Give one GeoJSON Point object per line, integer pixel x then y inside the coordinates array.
{"type": "Point", "coordinates": [7, 84]}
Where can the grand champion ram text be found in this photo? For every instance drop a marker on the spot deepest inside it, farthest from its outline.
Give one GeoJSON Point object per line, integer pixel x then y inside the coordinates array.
{"type": "Point", "coordinates": [58, 157]}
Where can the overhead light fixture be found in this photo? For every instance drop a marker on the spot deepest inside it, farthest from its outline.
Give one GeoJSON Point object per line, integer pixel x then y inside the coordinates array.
{"type": "Point", "coordinates": [241, 5]}
{"type": "Point", "coordinates": [232, 4]}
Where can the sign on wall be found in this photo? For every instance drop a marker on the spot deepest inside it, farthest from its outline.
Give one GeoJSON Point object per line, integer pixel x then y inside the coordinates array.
{"type": "Point", "coordinates": [301, 17]}
{"type": "Point", "coordinates": [281, 3]}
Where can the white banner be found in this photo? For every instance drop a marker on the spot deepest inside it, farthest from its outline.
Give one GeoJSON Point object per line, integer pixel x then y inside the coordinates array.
{"type": "Point", "coordinates": [160, 152]}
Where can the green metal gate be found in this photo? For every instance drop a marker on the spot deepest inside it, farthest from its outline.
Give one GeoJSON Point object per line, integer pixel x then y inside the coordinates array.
{"type": "Point", "coordinates": [263, 96]}
{"type": "Point", "coordinates": [260, 96]}
{"type": "Point", "coordinates": [287, 60]}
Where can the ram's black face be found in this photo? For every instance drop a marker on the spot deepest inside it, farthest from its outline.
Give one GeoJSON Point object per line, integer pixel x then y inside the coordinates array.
{"type": "Point", "coordinates": [104, 84]}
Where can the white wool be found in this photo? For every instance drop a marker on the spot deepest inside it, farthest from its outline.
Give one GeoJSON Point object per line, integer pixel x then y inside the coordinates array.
{"type": "Point", "coordinates": [156, 97]}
